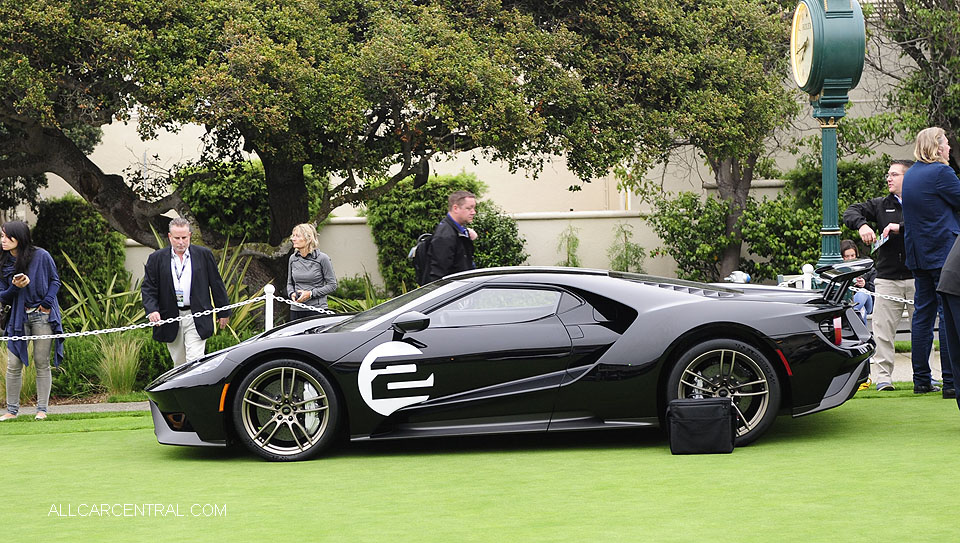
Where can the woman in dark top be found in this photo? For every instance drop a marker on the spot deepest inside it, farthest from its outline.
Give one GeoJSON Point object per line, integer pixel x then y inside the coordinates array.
{"type": "Point", "coordinates": [29, 283]}
{"type": "Point", "coordinates": [310, 275]}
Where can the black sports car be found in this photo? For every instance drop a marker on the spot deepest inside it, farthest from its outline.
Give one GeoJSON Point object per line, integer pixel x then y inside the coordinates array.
{"type": "Point", "coordinates": [523, 350]}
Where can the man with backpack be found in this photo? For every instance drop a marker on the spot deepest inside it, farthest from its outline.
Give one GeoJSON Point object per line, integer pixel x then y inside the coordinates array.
{"type": "Point", "coordinates": [450, 248]}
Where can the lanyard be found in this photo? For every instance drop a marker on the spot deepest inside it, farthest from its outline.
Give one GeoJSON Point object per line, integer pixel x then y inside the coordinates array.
{"type": "Point", "coordinates": [178, 270]}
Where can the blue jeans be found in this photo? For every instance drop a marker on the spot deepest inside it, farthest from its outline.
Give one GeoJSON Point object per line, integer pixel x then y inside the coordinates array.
{"type": "Point", "coordinates": [863, 304]}
{"type": "Point", "coordinates": [926, 303]}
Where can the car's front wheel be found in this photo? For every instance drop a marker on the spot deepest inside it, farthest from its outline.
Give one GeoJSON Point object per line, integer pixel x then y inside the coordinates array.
{"type": "Point", "coordinates": [285, 410]}
{"type": "Point", "coordinates": [734, 369]}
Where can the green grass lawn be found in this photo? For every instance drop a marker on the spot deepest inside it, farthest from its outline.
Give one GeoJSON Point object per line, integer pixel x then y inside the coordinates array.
{"type": "Point", "coordinates": [879, 468]}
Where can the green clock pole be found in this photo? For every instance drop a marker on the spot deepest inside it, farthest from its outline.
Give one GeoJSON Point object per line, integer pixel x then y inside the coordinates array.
{"type": "Point", "coordinates": [830, 229]}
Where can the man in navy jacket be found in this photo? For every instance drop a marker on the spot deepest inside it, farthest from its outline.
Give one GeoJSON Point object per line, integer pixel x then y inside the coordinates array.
{"type": "Point", "coordinates": [931, 200]}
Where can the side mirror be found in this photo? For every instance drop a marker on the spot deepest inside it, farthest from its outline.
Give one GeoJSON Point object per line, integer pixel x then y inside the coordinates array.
{"type": "Point", "coordinates": [412, 321]}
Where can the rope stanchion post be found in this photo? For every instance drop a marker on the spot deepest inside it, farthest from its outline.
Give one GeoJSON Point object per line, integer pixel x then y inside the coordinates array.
{"type": "Point", "coordinates": [807, 270]}
{"type": "Point", "coordinates": [268, 291]}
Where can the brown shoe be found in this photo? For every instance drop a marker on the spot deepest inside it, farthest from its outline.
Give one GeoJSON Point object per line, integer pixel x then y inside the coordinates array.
{"type": "Point", "coordinates": [7, 416]}
{"type": "Point", "coordinates": [41, 415]}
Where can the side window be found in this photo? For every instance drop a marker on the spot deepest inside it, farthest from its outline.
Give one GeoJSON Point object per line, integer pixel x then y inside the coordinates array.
{"type": "Point", "coordinates": [496, 306]}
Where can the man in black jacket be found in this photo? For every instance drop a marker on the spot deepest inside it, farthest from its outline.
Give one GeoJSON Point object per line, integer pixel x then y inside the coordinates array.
{"type": "Point", "coordinates": [178, 281]}
{"type": "Point", "coordinates": [885, 214]}
{"type": "Point", "coordinates": [451, 246]}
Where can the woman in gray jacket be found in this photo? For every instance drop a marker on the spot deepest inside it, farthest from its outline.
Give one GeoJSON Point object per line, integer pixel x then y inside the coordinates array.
{"type": "Point", "coordinates": [310, 275]}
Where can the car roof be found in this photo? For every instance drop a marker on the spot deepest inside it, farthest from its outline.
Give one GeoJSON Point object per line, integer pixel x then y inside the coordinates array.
{"type": "Point", "coordinates": [521, 273]}
{"type": "Point", "coordinates": [522, 270]}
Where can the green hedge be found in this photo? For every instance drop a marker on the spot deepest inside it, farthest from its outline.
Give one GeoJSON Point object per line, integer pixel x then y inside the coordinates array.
{"type": "Point", "coordinates": [397, 218]}
{"type": "Point", "coordinates": [72, 226]}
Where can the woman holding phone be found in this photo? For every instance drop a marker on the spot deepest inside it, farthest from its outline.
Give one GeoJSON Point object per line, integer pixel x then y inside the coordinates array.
{"type": "Point", "coordinates": [29, 283]}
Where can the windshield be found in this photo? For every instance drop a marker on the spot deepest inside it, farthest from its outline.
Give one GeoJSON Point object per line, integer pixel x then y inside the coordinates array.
{"type": "Point", "coordinates": [375, 315]}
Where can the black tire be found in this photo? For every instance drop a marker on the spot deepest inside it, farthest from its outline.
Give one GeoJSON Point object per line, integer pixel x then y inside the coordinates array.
{"type": "Point", "coordinates": [286, 410]}
{"type": "Point", "coordinates": [726, 367]}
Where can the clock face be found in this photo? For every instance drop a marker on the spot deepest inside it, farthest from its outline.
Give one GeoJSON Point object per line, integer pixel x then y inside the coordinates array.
{"type": "Point", "coordinates": [801, 44]}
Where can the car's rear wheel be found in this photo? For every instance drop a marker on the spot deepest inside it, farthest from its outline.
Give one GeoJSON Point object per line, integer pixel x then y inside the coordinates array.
{"type": "Point", "coordinates": [285, 410]}
{"type": "Point", "coordinates": [734, 369]}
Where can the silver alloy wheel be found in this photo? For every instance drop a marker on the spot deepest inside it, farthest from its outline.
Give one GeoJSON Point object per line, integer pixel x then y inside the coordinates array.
{"type": "Point", "coordinates": [728, 373]}
{"type": "Point", "coordinates": [285, 411]}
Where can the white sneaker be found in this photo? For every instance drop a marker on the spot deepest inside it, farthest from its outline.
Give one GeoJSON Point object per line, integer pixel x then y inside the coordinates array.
{"type": "Point", "coordinates": [41, 415]}
{"type": "Point", "coordinates": [7, 416]}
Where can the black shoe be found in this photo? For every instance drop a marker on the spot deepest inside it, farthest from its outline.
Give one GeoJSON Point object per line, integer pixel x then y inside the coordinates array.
{"type": "Point", "coordinates": [923, 389]}
{"type": "Point", "coordinates": [949, 393]}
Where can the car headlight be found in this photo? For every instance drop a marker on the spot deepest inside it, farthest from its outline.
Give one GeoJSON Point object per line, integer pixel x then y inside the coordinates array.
{"type": "Point", "coordinates": [206, 366]}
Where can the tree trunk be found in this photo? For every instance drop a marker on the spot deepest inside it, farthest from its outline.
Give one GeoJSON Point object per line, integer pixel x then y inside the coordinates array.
{"type": "Point", "coordinates": [733, 183]}
{"type": "Point", "coordinates": [286, 195]}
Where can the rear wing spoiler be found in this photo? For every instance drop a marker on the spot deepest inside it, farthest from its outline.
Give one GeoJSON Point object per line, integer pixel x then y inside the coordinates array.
{"type": "Point", "coordinates": [839, 276]}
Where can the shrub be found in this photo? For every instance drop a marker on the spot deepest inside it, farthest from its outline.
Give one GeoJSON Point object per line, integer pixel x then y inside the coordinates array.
{"type": "Point", "coordinates": [624, 254]}
{"type": "Point", "coordinates": [355, 294]}
{"type": "Point", "coordinates": [222, 340]}
{"type": "Point", "coordinates": [154, 358]}
{"type": "Point", "coordinates": [119, 361]}
{"type": "Point", "coordinates": [233, 270]}
{"type": "Point", "coordinates": [568, 242]}
{"type": "Point", "coordinates": [785, 232]}
{"type": "Point", "coordinates": [77, 375]}
{"type": "Point", "coordinates": [397, 218]}
{"type": "Point", "coordinates": [102, 306]}
{"type": "Point", "coordinates": [500, 243]}
{"type": "Point", "coordinates": [692, 232]}
{"type": "Point", "coordinates": [357, 288]}
{"type": "Point", "coordinates": [73, 227]}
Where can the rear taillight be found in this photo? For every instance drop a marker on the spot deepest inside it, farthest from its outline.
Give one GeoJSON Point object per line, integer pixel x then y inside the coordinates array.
{"type": "Point", "coordinates": [832, 329]}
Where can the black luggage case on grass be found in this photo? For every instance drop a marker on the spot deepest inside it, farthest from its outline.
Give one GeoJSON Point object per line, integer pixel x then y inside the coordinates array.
{"type": "Point", "coordinates": [699, 426]}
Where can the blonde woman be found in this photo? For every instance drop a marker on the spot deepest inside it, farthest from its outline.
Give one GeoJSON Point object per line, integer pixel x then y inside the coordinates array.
{"type": "Point", "coordinates": [931, 201]}
{"type": "Point", "coordinates": [310, 275]}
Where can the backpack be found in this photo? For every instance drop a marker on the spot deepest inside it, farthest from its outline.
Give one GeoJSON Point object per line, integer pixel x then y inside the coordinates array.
{"type": "Point", "coordinates": [419, 256]}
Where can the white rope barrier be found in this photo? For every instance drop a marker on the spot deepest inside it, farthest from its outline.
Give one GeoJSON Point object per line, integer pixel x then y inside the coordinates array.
{"type": "Point", "coordinates": [132, 326]}
{"type": "Point", "coordinates": [268, 297]}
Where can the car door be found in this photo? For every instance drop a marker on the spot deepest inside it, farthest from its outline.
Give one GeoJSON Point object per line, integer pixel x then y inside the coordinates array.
{"type": "Point", "coordinates": [491, 360]}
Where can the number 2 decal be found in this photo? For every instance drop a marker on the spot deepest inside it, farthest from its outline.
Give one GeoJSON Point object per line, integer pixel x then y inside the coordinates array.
{"type": "Point", "coordinates": [366, 375]}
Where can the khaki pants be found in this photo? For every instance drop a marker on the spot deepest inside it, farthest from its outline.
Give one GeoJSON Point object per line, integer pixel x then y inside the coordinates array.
{"type": "Point", "coordinates": [188, 345]}
{"type": "Point", "coordinates": [886, 319]}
